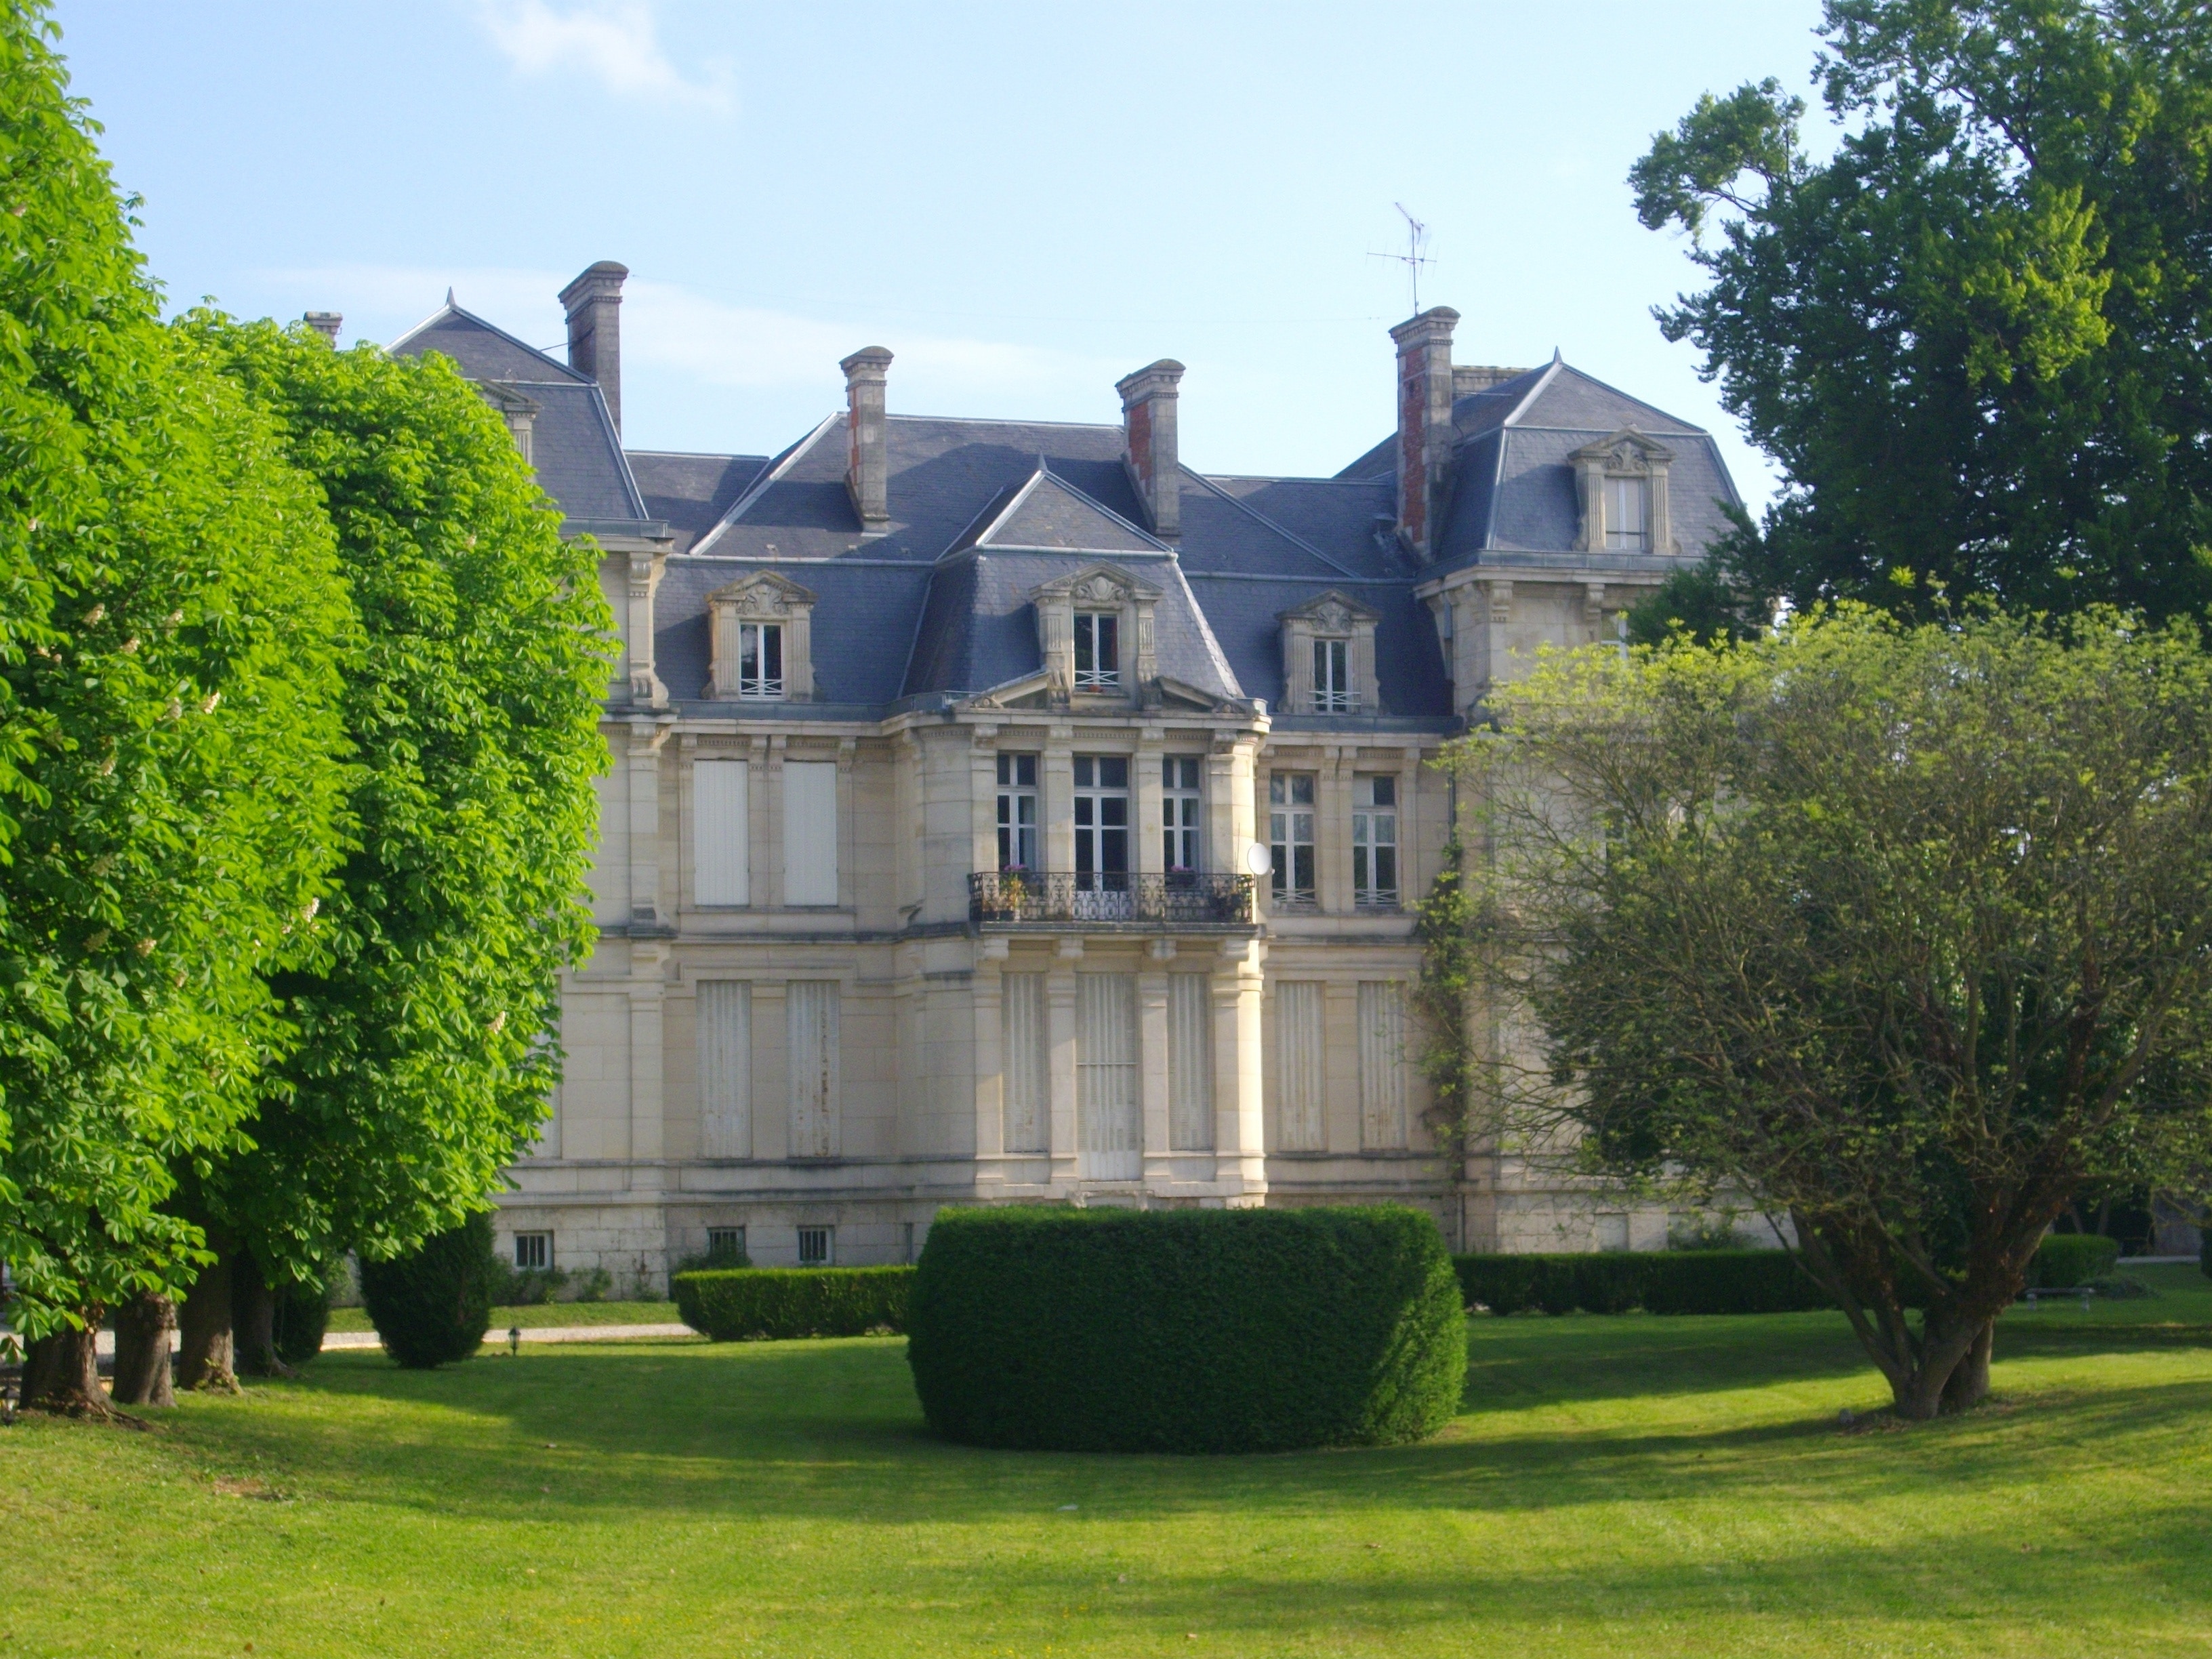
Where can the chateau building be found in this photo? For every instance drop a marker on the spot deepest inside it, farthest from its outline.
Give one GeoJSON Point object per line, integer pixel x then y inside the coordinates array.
{"type": "Point", "coordinates": [1004, 810]}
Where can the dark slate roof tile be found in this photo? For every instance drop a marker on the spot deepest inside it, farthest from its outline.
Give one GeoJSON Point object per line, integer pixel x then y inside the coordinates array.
{"type": "Point", "coordinates": [485, 350]}
{"type": "Point", "coordinates": [864, 618]}
{"type": "Point", "coordinates": [690, 493]}
{"type": "Point", "coordinates": [1409, 662]}
{"type": "Point", "coordinates": [1047, 511]}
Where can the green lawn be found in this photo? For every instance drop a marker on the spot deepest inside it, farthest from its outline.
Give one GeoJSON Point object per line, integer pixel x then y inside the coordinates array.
{"type": "Point", "coordinates": [1626, 1487]}
{"type": "Point", "coordinates": [543, 1314]}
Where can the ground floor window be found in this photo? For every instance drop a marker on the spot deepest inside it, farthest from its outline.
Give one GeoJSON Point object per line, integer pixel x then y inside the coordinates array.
{"type": "Point", "coordinates": [533, 1251]}
{"type": "Point", "coordinates": [817, 1246]}
{"type": "Point", "coordinates": [726, 1243]}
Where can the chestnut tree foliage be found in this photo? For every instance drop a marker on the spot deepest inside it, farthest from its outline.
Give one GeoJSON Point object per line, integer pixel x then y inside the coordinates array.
{"type": "Point", "coordinates": [428, 1027]}
{"type": "Point", "coordinates": [172, 781]}
{"type": "Point", "coordinates": [1973, 337]}
{"type": "Point", "coordinates": [1905, 932]}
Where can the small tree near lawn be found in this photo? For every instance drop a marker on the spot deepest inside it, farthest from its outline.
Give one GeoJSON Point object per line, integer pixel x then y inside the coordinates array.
{"type": "Point", "coordinates": [1905, 931]}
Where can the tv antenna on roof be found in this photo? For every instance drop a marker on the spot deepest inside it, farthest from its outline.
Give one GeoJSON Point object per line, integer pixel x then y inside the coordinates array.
{"type": "Point", "coordinates": [1417, 238]}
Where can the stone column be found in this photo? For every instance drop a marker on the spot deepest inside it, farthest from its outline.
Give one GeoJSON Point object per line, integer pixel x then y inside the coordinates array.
{"type": "Point", "coordinates": [1152, 1060]}
{"type": "Point", "coordinates": [647, 1060]}
{"type": "Point", "coordinates": [988, 1003]}
{"type": "Point", "coordinates": [767, 865]}
{"type": "Point", "coordinates": [1240, 1155]}
{"type": "Point", "coordinates": [1333, 830]}
{"type": "Point", "coordinates": [1145, 797]}
{"type": "Point", "coordinates": [771, 1070]}
{"type": "Point", "coordinates": [1060, 1032]}
{"type": "Point", "coordinates": [1056, 798]}
{"type": "Point", "coordinates": [643, 779]}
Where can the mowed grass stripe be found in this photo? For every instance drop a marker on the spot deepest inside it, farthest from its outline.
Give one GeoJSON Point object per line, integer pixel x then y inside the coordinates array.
{"type": "Point", "coordinates": [1625, 1486]}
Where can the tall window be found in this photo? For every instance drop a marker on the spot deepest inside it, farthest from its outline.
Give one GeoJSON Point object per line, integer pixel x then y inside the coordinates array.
{"type": "Point", "coordinates": [1625, 517]}
{"type": "Point", "coordinates": [1179, 821]}
{"type": "Point", "coordinates": [1098, 651]}
{"type": "Point", "coordinates": [760, 659]}
{"type": "Point", "coordinates": [1018, 811]}
{"type": "Point", "coordinates": [1291, 836]}
{"type": "Point", "coordinates": [1375, 844]}
{"type": "Point", "coordinates": [1102, 823]}
{"type": "Point", "coordinates": [1331, 684]}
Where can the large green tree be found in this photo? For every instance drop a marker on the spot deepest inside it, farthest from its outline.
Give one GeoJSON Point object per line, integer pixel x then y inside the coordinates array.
{"type": "Point", "coordinates": [1972, 336]}
{"type": "Point", "coordinates": [170, 779]}
{"type": "Point", "coordinates": [429, 1031]}
{"type": "Point", "coordinates": [1904, 933]}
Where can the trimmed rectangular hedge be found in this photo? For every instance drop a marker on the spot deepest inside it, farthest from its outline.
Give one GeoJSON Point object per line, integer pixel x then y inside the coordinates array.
{"type": "Point", "coordinates": [732, 1304]}
{"type": "Point", "coordinates": [1657, 1281]}
{"type": "Point", "coordinates": [1708, 1281]}
{"type": "Point", "coordinates": [1186, 1330]}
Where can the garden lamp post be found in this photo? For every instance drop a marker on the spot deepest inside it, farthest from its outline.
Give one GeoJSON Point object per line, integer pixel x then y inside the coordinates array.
{"type": "Point", "coordinates": [514, 1341]}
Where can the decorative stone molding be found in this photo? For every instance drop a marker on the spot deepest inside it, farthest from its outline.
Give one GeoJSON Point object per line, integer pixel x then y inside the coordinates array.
{"type": "Point", "coordinates": [1104, 589]}
{"type": "Point", "coordinates": [765, 597]}
{"type": "Point", "coordinates": [1627, 454]}
{"type": "Point", "coordinates": [1330, 616]}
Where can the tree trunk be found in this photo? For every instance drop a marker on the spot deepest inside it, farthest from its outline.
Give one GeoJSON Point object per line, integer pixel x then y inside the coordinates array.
{"type": "Point", "coordinates": [254, 1319]}
{"type": "Point", "coordinates": [61, 1375]}
{"type": "Point", "coordinates": [1968, 1384]}
{"type": "Point", "coordinates": [204, 1359]}
{"type": "Point", "coordinates": [141, 1351]}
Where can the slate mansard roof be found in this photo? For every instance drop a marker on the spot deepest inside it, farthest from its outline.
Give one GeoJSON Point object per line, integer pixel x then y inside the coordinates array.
{"type": "Point", "coordinates": [936, 606]}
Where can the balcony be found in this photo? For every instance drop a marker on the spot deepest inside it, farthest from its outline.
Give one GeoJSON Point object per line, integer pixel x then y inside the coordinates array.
{"type": "Point", "coordinates": [1181, 900]}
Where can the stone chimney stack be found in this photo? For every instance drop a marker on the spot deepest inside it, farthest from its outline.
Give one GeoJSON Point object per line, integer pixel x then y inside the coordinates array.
{"type": "Point", "coordinates": [1148, 443]}
{"type": "Point", "coordinates": [1425, 426]}
{"type": "Point", "coordinates": [325, 323]}
{"type": "Point", "coordinates": [867, 467]}
{"type": "Point", "coordinates": [593, 302]}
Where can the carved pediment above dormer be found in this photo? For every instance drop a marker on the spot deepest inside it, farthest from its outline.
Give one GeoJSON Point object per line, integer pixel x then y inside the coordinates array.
{"type": "Point", "coordinates": [761, 593]}
{"type": "Point", "coordinates": [1627, 451]}
{"type": "Point", "coordinates": [1332, 612]}
{"type": "Point", "coordinates": [1096, 585]}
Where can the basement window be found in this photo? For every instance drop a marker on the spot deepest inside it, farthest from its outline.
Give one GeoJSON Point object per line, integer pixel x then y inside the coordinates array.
{"type": "Point", "coordinates": [816, 1246]}
{"type": "Point", "coordinates": [533, 1252]}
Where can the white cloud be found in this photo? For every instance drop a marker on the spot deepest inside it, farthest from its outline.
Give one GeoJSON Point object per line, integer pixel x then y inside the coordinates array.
{"type": "Point", "coordinates": [616, 41]}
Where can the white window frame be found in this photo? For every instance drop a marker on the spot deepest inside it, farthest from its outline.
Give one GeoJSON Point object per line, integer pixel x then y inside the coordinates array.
{"type": "Point", "coordinates": [823, 1243]}
{"type": "Point", "coordinates": [1183, 814]}
{"type": "Point", "coordinates": [755, 641]}
{"type": "Point", "coordinates": [1018, 813]}
{"type": "Point", "coordinates": [811, 832]}
{"type": "Point", "coordinates": [1333, 691]}
{"type": "Point", "coordinates": [722, 832]}
{"type": "Point", "coordinates": [1102, 823]}
{"type": "Point", "coordinates": [1290, 824]}
{"type": "Point", "coordinates": [1622, 492]}
{"type": "Point", "coordinates": [533, 1252]}
{"type": "Point", "coordinates": [1375, 842]}
{"type": "Point", "coordinates": [1099, 638]}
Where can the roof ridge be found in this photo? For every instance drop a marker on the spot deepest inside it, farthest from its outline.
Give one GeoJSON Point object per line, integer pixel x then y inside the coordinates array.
{"type": "Point", "coordinates": [1289, 536]}
{"type": "Point", "coordinates": [775, 468]}
{"type": "Point", "coordinates": [572, 377]}
{"type": "Point", "coordinates": [1607, 386]}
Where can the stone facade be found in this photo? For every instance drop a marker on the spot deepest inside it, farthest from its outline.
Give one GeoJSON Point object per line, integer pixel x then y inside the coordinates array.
{"type": "Point", "coordinates": [1002, 812]}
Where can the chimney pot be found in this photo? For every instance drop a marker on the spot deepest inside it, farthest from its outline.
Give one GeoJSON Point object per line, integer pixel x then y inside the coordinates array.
{"type": "Point", "coordinates": [325, 323]}
{"type": "Point", "coordinates": [867, 466]}
{"type": "Point", "coordinates": [1424, 426]}
{"type": "Point", "coordinates": [593, 302]}
{"type": "Point", "coordinates": [1149, 443]}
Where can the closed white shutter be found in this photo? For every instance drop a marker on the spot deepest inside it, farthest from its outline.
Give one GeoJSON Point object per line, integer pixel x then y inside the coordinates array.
{"type": "Point", "coordinates": [811, 1012]}
{"type": "Point", "coordinates": [725, 1068]}
{"type": "Point", "coordinates": [1300, 1080]}
{"type": "Point", "coordinates": [721, 822]}
{"type": "Point", "coordinates": [810, 832]}
{"type": "Point", "coordinates": [1026, 1080]}
{"type": "Point", "coordinates": [1190, 1063]}
{"type": "Point", "coordinates": [1382, 1064]}
{"type": "Point", "coordinates": [1106, 1077]}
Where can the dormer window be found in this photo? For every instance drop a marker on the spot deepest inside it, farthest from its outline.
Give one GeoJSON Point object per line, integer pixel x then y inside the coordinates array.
{"type": "Point", "coordinates": [1332, 678]}
{"type": "Point", "coordinates": [763, 635]}
{"type": "Point", "coordinates": [1328, 656]}
{"type": "Point", "coordinates": [1621, 482]}
{"type": "Point", "coordinates": [1627, 517]}
{"type": "Point", "coordinates": [760, 660]}
{"type": "Point", "coordinates": [1098, 651]}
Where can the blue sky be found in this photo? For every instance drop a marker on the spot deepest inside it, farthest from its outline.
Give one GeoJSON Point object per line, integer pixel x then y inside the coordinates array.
{"type": "Point", "coordinates": [1024, 202]}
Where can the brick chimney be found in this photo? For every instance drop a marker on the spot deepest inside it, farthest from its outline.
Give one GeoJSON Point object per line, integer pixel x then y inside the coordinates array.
{"type": "Point", "coordinates": [325, 323]}
{"type": "Point", "coordinates": [867, 468]}
{"type": "Point", "coordinates": [1425, 426]}
{"type": "Point", "coordinates": [1148, 443]}
{"type": "Point", "coordinates": [593, 302]}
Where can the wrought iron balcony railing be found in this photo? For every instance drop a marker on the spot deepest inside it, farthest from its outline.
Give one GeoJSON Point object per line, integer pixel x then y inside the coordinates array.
{"type": "Point", "coordinates": [1181, 898]}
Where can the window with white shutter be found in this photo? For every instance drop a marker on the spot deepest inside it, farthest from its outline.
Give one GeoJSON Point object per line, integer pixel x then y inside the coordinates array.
{"type": "Point", "coordinates": [725, 1068]}
{"type": "Point", "coordinates": [722, 824]}
{"type": "Point", "coordinates": [810, 832]}
{"type": "Point", "coordinates": [1190, 1063]}
{"type": "Point", "coordinates": [1301, 1081]}
{"type": "Point", "coordinates": [1382, 1065]}
{"type": "Point", "coordinates": [811, 1023]}
{"type": "Point", "coordinates": [1024, 1076]}
{"type": "Point", "coordinates": [1106, 1101]}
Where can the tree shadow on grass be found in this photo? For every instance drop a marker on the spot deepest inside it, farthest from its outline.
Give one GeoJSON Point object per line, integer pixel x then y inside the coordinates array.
{"type": "Point", "coordinates": [830, 1430]}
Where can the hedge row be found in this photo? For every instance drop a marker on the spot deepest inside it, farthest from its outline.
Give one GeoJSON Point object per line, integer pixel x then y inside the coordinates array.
{"type": "Point", "coordinates": [732, 1304]}
{"type": "Point", "coordinates": [1616, 1281]}
{"type": "Point", "coordinates": [1709, 1281]}
{"type": "Point", "coordinates": [1186, 1330]}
